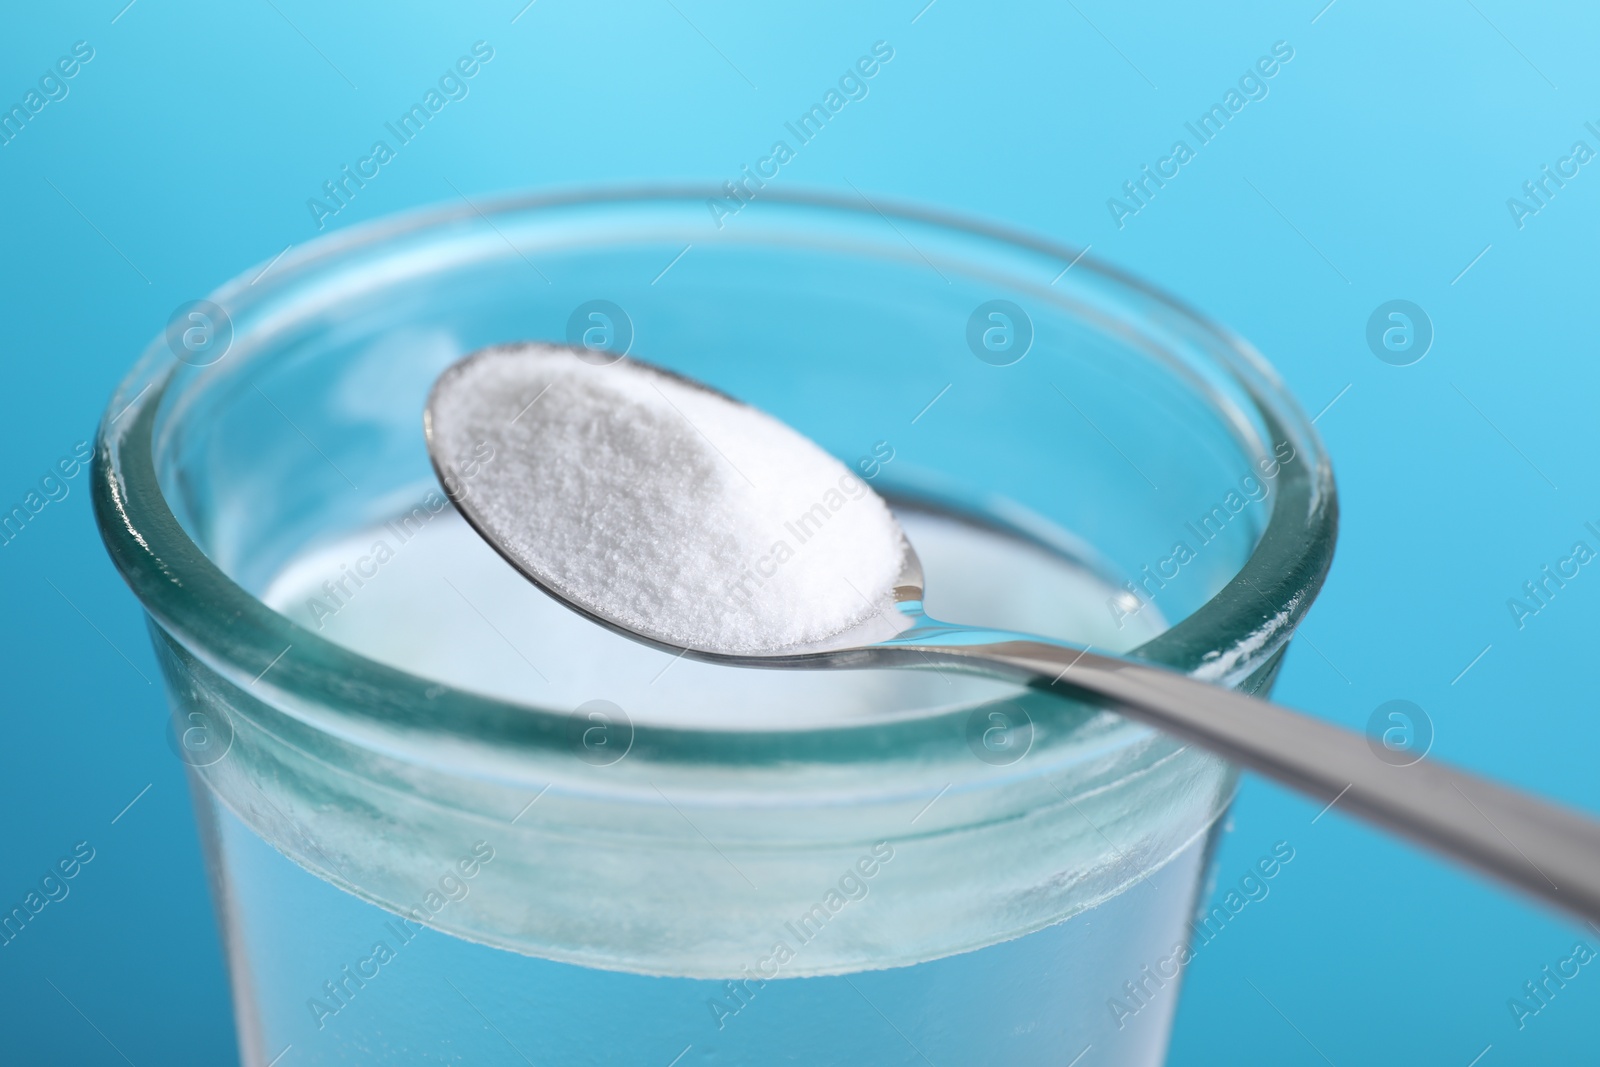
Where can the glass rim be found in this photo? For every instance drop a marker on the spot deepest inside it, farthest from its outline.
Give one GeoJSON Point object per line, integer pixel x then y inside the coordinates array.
{"type": "Point", "coordinates": [1233, 635]}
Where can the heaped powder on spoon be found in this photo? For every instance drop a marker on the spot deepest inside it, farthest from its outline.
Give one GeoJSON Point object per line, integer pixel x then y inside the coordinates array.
{"type": "Point", "coordinates": [677, 512]}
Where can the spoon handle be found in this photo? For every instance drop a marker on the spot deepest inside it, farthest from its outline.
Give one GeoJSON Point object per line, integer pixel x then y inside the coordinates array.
{"type": "Point", "coordinates": [1544, 850]}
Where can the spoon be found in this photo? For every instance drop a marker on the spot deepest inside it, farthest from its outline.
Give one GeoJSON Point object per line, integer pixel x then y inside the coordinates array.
{"type": "Point", "coordinates": [1549, 852]}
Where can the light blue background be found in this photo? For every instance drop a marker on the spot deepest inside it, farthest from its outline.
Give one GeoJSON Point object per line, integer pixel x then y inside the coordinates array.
{"type": "Point", "coordinates": [1378, 167]}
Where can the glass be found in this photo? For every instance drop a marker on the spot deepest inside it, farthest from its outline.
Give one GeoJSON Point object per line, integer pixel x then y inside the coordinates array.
{"type": "Point", "coordinates": [446, 822]}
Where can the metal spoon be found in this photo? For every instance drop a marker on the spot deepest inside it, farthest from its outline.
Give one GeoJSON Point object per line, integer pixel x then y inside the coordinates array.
{"type": "Point", "coordinates": [1549, 852]}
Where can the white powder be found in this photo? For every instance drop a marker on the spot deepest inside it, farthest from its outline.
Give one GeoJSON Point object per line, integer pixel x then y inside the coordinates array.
{"type": "Point", "coordinates": [678, 513]}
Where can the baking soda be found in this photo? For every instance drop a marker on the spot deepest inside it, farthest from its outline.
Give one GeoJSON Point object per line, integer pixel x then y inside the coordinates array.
{"type": "Point", "coordinates": [679, 513]}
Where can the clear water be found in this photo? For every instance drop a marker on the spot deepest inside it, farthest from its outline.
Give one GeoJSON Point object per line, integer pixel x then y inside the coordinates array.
{"type": "Point", "coordinates": [444, 605]}
{"type": "Point", "coordinates": [324, 977]}
{"type": "Point", "coordinates": [1041, 999]}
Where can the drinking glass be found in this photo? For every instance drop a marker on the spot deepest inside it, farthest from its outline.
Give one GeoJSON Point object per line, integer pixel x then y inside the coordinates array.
{"type": "Point", "coordinates": [448, 821]}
